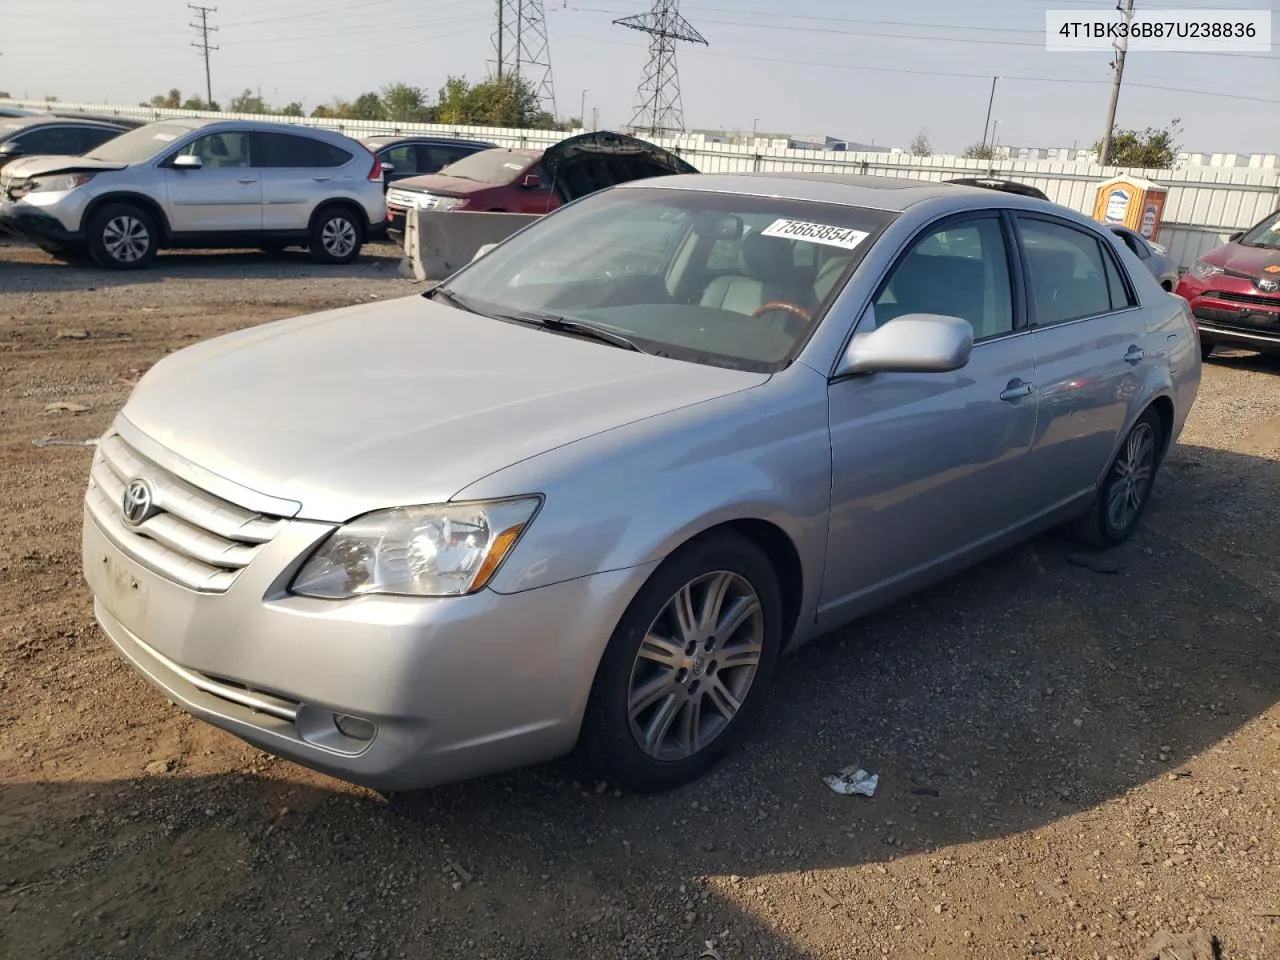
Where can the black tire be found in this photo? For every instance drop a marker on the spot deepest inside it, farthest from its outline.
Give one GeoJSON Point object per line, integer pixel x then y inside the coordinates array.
{"type": "Point", "coordinates": [122, 236]}
{"type": "Point", "coordinates": [337, 235]}
{"type": "Point", "coordinates": [1206, 348]}
{"type": "Point", "coordinates": [610, 741]}
{"type": "Point", "coordinates": [1107, 523]}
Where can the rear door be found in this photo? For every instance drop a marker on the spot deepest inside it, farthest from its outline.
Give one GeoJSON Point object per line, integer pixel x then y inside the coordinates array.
{"type": "Point", "coordinates": [224, 195]}
{"type": "Point", "coordinates": [297, 174]}
{"type": "Point", "coordinates": [1091, 351]}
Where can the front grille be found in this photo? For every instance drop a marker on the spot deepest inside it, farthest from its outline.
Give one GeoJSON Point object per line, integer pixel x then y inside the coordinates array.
{"type": "Point", "coordinates": [193, 538]}
{"type": "Point", "coordinates": [1258, 299]}
{"type": "Point", "coordinates": [405, 198]}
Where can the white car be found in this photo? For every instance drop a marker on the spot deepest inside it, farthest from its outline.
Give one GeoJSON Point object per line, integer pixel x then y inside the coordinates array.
{"type": "Point", "coordinates": [200, 183]}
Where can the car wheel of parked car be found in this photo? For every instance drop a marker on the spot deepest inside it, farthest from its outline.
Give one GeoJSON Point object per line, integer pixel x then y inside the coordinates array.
{"type": "Point", "coordinates": [1123, 496]}
{"type": "Point", "coordinates": [687, 667]}
{"type": "Point", "coordinates": [122, 236]}
{"type": "Point", "coordinates": [336, 236]}
{"type": "Point", "coordinates": [1206, 348]}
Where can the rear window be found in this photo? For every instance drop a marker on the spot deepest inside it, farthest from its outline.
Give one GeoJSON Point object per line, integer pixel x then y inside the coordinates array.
{"type": "Point", "coordinates": [290, 150]}
{"type": "Point", "coordinates": [490, 166]}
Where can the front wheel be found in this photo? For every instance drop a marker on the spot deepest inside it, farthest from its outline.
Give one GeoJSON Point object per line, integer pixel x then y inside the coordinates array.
{"type": "Point", "coordinates": [336, 236]}
{"type": "Point", "coordinates": [688, 666]}
{"type": "Point", "coordinates": [122, 237]}
{"type": "Point", "coordinates": [1125, 492]}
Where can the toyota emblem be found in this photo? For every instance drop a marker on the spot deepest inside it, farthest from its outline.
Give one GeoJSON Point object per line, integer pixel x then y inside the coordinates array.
{"type": "Point", "coordinates": [1268, 285]}
{"type": "Point", "coordinates": [138, 502]}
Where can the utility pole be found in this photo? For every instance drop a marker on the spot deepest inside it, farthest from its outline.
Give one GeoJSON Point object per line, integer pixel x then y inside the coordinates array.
{"type": "Point", "coordinates": [1122, 47]}
{"type": "Point", "coordinates": [203, 45]}
{"type": "Point", "coordinates": [990, 100]}
{"type": "Point", "coordinates": [582, 110]}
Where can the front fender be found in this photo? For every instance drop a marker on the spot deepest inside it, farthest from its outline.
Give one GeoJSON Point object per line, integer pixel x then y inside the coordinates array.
{"type": "Point", "coordinates": [634, 494]}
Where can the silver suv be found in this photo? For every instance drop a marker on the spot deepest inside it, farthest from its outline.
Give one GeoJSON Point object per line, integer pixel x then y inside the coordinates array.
{"type": "Point", "coordinates": [200, 183]}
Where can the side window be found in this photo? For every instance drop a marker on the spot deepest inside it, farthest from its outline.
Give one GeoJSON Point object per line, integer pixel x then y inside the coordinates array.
{"type": "Point", "coordinates": [404, 158]}
{"type": "Point", "coordinates": [1121, 298]}
{"type": "Point", "coordinates": [1068, 272]}
{"type": "Point", "coordinates": [219, 150]}
{"type": "Point", "coordinates": [91, 137]}
{"type": "Point", "coordinates": [59, 141]}
{"type": "Point", "coordinates": [433, 159]}
{"type": "Point", "coordinates": [1137, 246]}
{"type": "Point", "coordinates": [959, 270]}
{"type": "Point", "coordinates": [289, 150]}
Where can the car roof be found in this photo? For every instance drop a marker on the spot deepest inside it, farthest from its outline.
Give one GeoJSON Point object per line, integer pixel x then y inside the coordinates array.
{"type": "Point", "coordinates": [216, 124]}
{"type": "Point", "coordinates": [13, 125]}
{"type": "Point", "coordinates": [382, 139]}
{"type": "Point", "coordinates": [891, 194]}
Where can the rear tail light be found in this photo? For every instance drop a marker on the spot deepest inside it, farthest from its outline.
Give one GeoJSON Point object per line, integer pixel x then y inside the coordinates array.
{"type": "Point", "coordinates": [375, 174]}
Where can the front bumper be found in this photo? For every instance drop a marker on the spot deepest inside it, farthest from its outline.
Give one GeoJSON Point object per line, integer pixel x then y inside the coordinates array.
{"type": "Point", "coordinates": [1242, 317]}
{"type": "Point", "coordinates": [457, 687]}
{"type": "Point", "coordinates": [33, 223]}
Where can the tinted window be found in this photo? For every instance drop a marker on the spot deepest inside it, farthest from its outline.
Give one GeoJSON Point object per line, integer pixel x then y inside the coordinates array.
{"type": "Point", "coordinates": [404, 158]}
{"type": "Point", "coordinates": [959, 270]}
{"type": "Point", "coordinates": [91, 137]}
{"type": "Point", "coordinates": [1068, 276]}
{"type": "Point", "coordinates": [432, 158]}
{"type": "Point", "coordinates": [219, 150]}
{"type": "Point", "coordinates": [288, 150]}
{"type": "Point", "coordinates": [60, 141]}
{"type": "Point", "coordinates": [1120, 295]}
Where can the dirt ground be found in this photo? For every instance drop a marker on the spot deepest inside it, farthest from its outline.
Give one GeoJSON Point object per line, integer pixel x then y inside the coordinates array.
{"type": "Point", "coordinates": [1076, 751]}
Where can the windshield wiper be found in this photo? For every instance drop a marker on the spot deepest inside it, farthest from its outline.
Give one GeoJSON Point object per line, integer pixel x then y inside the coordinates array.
{"type": "Point", "coordinates": [442, 292]}
{"type": "Point", "coordinates": [578, 328]}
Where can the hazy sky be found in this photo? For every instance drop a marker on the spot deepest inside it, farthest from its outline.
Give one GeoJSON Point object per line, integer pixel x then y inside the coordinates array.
{"type": "Point", "coordinates": [850, 68]}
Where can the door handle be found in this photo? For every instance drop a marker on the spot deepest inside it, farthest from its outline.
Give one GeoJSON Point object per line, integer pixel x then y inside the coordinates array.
{"type": "Point", "coordinates": [1134, 355]}
{"type": "Point", "coordinates": [1016, 390]}
{"type": "Point", "coordinates": [248, 179]}
{"type": "Point", "coordinates": [321, 179]}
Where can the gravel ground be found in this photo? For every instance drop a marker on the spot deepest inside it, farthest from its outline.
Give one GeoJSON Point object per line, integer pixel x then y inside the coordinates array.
{"type": "Point", "coordinates": [1076, 751]}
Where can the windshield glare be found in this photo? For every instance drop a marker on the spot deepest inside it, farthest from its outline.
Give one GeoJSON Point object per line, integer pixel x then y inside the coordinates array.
{"type": "Point", "coordinates": [684, 274]}
{"type": "Point", "coordinates": [489, 166]}
{"type": "Point", "coordinates": [1265, 234]}
{"type": "Point", "coordinates": [140, 144]}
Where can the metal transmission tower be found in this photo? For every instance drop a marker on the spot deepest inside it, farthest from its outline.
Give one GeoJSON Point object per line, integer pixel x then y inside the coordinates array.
{"type": "Point", "coordinates": [203, 46]}
{"type": "Point", "coordinates": [658, 107]}
{"type": "Point", "coordinates": [520, 43]}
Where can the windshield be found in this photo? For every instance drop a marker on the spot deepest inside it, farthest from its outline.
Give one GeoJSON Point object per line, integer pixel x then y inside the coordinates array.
{"type": "Point", "coordinates": [140, 144]}
{"type": "Point", "coordinates": [1265, 234]}
{"type": "Point", "coordinates": [722, 279]}
{"type": "Point", "coordinates": [490, 166]}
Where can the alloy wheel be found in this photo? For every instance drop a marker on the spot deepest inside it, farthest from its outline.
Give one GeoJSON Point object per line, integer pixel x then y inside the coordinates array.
{"type": "Point", "coordinates": [338, 237]}
{"type": "Point", "coordinates": [695, 666]}
{"type": "Point", "coordinates": [1131, 477]}
{"type": "Point", "coordinates": [126, 239]}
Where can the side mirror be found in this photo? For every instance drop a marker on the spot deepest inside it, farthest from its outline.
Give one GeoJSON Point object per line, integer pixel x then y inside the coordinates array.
{"type": "Point", "coordinates": [388, 167]}
{"type": "Point", "coordinates": [482, 251]}
{"type": "Point", "coordinates": [531, 181]}
{"type": "Point", "coordinates": [1235, 236]}
{"type": "Point", "coordinates": [187, 161]}
{"type": "Point", "coordinates": [914, 343]}
{"type": "Point", "coordinates": [10, 148]}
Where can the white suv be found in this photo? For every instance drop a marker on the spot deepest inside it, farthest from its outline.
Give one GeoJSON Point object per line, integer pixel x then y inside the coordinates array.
{"type": "Point", "coordinates": [200, 183]}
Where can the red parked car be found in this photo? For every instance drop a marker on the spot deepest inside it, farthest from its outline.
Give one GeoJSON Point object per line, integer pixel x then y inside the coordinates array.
{"type": "Point", "coordinates": [507, 180]}
{"type": "Point", "coordinates": [1234, 290]}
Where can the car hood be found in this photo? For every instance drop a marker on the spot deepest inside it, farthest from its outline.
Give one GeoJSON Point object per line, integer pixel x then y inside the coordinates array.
{"type": "Point", "coordinates": [1248, 261]}
{"type": "Point", "coordinates": [624, 157]}
{"type": "Point", "coordinates": [444, 186]}
{"type": "Point", "coordinates": [398, 403]}
{"type": "Point", "coordinates": [23, 168]}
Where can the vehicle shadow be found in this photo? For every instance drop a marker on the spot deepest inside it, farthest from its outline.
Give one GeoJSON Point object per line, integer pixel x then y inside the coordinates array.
{"type": "Point", "coordinates": [1245, 360]}
{"type": "Point", "coordinates": [34, 271]}
{"type": "Point", "coordinates": [1041, 685]}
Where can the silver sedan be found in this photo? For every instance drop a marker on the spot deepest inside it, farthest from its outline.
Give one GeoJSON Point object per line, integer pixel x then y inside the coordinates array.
{"type": "Point", "coordinates": [588, 490]}
{"type": "Point", "coordinates": [1153, 256]}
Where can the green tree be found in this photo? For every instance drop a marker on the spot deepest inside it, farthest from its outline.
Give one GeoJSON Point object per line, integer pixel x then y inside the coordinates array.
{"type": "Point", "coordinates": [406, 104]}
{"type": "Point", "coordinates": [248, 102]}
{"type": "Point", "coordinates": [324, 110]}
{"type": "Point", "coordinates": [4, 95]}
{"type": "Point", "coordinates": [169, 101]}
{"type": "Point", "coordinates": [453, 104]}
{"type": "Point", "coordinates": [1154, 147]}
{"type": "Point", "coordinates": [367, 106]}
{"type": "Point", "coordinates": [979, 151]}
{"type": "Point", "coordinates": [293, 109]}
{"type": "Point", "coordinates": [507, 101]}
{"type": "Point", "coordinates": [199, 103]}
{"type": "Point", "coordinates": [921, 146]}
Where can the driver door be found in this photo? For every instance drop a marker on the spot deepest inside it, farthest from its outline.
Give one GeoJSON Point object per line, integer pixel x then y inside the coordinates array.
{"type": "Point", "coordinates": [927, 468]}
{"type": "Point", "coordinates": [224, 195]}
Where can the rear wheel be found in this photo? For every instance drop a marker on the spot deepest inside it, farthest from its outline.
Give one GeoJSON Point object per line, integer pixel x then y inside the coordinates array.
{"type": "Point", "coordinates": [123, 237]}
{"type": "Point", "coordinates": [1122, 498]}
{"type": "Point", "coordinates": [336, 236]}
{"type": "Point", "coordinates": [688, 667]}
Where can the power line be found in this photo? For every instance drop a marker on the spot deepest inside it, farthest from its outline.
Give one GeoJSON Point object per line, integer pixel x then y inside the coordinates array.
{"type": "Point", "coordinates": [203, 45]}
{"type": "Point", "coordinates": [658, 103]}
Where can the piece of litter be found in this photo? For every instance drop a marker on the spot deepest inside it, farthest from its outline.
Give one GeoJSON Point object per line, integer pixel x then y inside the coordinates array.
{"type": "Point", "coordinates": [51, 442]}
{"type": "Point", "coordinates": [825, 896]}
{"type": "Point", "coordinates": [64, 406]}
{"type": "Point", "coordinates": [711, 953]}
{"type": "Point", "coordinates": [851, 780]}
{"type": "Point", "coordinates": [461, 871]}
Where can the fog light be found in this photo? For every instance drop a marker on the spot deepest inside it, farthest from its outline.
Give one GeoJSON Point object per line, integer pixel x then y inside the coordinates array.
{"type": "Point", "coordinates": [354, 727]}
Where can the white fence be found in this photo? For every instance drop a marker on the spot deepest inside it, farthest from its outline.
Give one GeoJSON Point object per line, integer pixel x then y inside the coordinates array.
{"type": "Point", "coordinates": [1206, 200]}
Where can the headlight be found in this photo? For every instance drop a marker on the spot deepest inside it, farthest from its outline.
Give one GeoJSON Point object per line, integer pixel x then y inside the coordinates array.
{"type": "Point", "coordinates": [1203, 271]}
{"type": "Point", "coordinates": [450, 203]}
{"type": "Point", "coordinates": [68, 181]}
{"type": "Point", "coordinates": [445, 550]}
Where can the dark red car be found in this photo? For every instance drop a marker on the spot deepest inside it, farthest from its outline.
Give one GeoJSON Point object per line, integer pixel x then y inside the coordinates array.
{"type": "Point", "coordinates": [1234, 290]}
{"type": "Point", "coordinates": [508, 180]}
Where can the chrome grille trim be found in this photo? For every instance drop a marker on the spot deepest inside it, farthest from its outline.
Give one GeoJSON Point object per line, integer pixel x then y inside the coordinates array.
{"type": "Point", "coordinates": [196, 539]}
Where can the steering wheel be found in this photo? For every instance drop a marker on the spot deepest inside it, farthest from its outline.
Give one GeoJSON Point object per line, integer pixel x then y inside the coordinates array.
{"type": "Point", "coordinates": [792, 308]}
